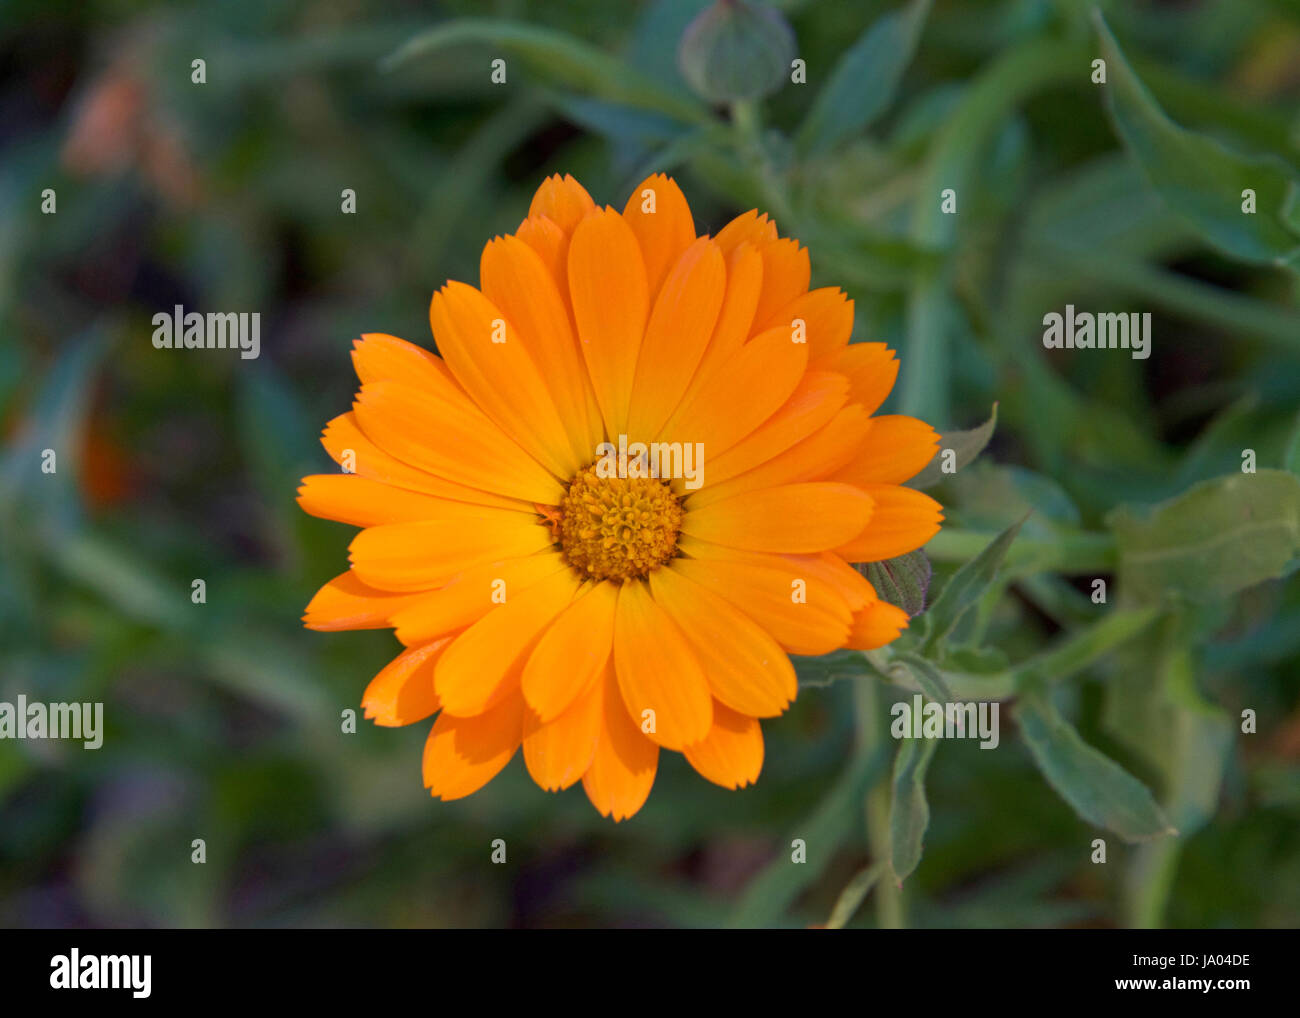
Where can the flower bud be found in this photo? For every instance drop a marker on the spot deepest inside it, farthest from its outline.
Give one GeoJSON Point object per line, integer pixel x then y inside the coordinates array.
{"type": "Point", "coordinates": [735, 50]}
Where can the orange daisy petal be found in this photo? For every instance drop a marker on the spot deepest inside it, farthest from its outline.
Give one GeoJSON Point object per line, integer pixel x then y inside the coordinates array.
{"type": "Point", "coordinates": [791, 518]}
{"type": "Point", "coordinates": [611, 298]}
{"type": "Point", "coordinates": [348, 446]}
{"type": "Point", "coordinates": [562, 200]}
{"type": "Point", "coordinates": [802, 616]}
{"type": "Point", "coordinates": [736, 318]}
{"type": "Point", "coordinates": [876, 625]}
{"type": "Point", "coordinates": [462, 754]}
{"type": "Point", "coordinates": [829, 569]}
{"type": "Point", "coordinates": [676, 335]}
{"type": "Point", "coordinates": [403, 692]}
{"type": "Point", "coordinates": [558, 752]}
{"type": "Point", "coordinates": [623, 767]}
{"type": "Point", "coordinates": [786, 272]}
{"type": "Point", "coordinates": [516, 280]}
{"type": "Point", "coordinates": [658, 672]}
{"type": "Point", "coordinates": [347, 603]}
{"type": "Point", "coordinates": [661, 219]}
{"type": "Point", "coordinates": [827, 317]}
{"type": "Point", "coordinates": [378, 357]}
{"type": "Point", "coordinates": [572, 651]}
{"type": "Point", "coordinates": [814, 402]}
{"type": "Point", "coordinates": [903, 520]}
{"type": "Point", "coordinates": [471, 595]}
{"type": "Point", "coordinates": [896, 449]}
{"type": "Point", "coordinates": [745, 667]}
{"type": "Point", "coordinates": [491, 360]}
{"type": "Point", "coordinates": [551, 244]}
{"type": "Point", "coordinates": [815, 457]}
{"type": "Point", "coordinates": [453, 439]}
{"type": "Point", "coordinates": [485, 662]}
{"type": "Point", "coordinates": [429, 553]}
{"type": "Point", "coordinates": [732, 753]}
{"type": "Point", "coordinates": [743, 393]}
{"type": "Point", "coordinates": [871, 369]}
{"type": "Point", "coordinates": [747, 228]}
{"type": "Point", "coordinates": [362, 502]}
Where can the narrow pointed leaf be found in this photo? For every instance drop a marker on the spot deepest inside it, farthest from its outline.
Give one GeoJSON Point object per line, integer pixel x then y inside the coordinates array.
{"type": "Point", "coordinates": [1099, 790]}
{"type": "Point", "coordinates": [909, 815]}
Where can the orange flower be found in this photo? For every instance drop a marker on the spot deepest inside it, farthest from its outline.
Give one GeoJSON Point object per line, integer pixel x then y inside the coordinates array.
{"type": "Point", "coordinates": [628, 489]}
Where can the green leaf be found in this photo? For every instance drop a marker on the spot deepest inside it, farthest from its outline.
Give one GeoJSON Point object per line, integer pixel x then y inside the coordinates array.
{"type": "Point", "coordinates": [837, 817]}
{"type": "Point", "coordinates": [901, 581]}
{"type": "Point", "coordinates": [1085, 647]}
{"type": "Point", "coordinates": [992, 495]}
{"type": "Point", "coordinates": [1198, 177]}
{"type": "Point", "coordinates": [822, 671]}
{"type": "Point", "coordinates": [1203, 741]}
{"type": "Point", "coordinates": [271, 672]}
{"type": "Point", "coordinates": [556, 57]}
{"type": "Point", "coordinates": [125, 580]}
{"type": "Point", "coordinates": [964, 445]}
{"type": "Point", "coordinates": [925, 675]}
{"type": "Point", "coordinates": [1098, 788]}
{"type": "Point", "coordinates": [864, 81]}
{"type": "Point", "coordinates": [909, 814]}
{"type": "Point", "coordinates": [965, 588]}
{"type": "Point", "coordinates": [853, 895]}
{"type": "Point", "coordinates": [56, 420]}
{"type": "Point", "coordinates": [1291, 458]}
{"type": "Point", "coordinates": [1215, 539]}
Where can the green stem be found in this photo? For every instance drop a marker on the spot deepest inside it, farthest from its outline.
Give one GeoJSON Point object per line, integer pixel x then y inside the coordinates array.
{"type": "Point", "coordinates": [1066, 551]}
{"type": "Point", "coordinates": [1150, 880]}
{"type": "Point", "coordinates": [872, 736]}
{"type": "Point", "coordinates": [1067, 657]}
{"type": "Point", "coordinates": [747, 119]}
{"type": "Point", "coordinates": [1235, 312]}
{"type": "Point", "coordinates": [951, 163]}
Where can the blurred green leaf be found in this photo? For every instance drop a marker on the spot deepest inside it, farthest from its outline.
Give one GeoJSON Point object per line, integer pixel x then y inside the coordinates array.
{"type": "Point", "coordinates": [835, 819]}
{"type": "Point", "coordinates": [56, 421]}
{"type": "Point", "coordinates": [1098, 788]}
{"type": "Point", "coordinates": [909, 814]}
{"type": "Point", "coordinates": [965, 446]}
{"type": "Point", "coordinates": [1080, 649]}
{"type": "Point", "coordinates": [1213, 540]}
{"type": "Point", "coordinates": [128, 584]}
{"type": "Point", "coordinates": [822, 671]}
{"type": "Point", "coordinates": [995, 494]}
{"type": "Point", "coordinates": [965, 588]}
{"type": "Point", "coordinates": [1200, 178]}
{"type": "Point", "coordinates": [1291, 458]}
{"type": "Point", "coordinates": [924, 674]}
{"type": "Point", "coordinates": [554, 56]}
{"type": "Point", "coordinates": [863, 83]}
{"type": "Point", "coordinates": [272, 672]}
{"type": "Point", "coordinates": [853, 895]}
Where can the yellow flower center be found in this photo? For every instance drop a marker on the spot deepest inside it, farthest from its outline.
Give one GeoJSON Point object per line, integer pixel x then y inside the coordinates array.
{"type": "Point", "coordinates": [618, 528]}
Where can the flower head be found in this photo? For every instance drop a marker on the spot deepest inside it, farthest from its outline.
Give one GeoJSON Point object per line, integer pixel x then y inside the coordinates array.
{"type": "Point", "coordinates": [632, 483]}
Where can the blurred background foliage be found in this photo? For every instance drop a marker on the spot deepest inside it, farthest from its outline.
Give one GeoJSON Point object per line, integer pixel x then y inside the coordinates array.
{"type": "Point", "coordinates": [223, 718]}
